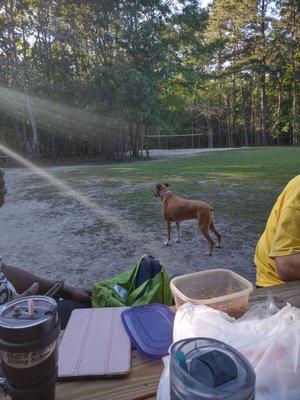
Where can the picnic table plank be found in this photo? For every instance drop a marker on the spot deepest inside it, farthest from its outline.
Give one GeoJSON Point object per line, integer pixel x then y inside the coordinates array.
{"type": "Point", "coordinates": [284, 293]}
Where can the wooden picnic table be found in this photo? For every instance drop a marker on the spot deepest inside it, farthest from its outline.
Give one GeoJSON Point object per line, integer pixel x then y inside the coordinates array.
{"type": "Point", "coordinates": [143, 380]}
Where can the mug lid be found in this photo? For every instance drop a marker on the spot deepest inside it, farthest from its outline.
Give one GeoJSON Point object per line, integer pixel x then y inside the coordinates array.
{"type": "Point", "coordinates": [26, 312]}
{"type": "Point", "coordinates": [213, 369]}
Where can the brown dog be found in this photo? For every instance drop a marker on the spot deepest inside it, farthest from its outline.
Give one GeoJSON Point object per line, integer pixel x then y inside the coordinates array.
{"type": "Point", "coordinates": [177, 209]}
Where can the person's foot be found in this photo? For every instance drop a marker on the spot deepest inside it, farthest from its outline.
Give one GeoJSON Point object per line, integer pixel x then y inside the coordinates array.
{"type": "Point", "coordinates": [79, 294]}
{"type": "Point", "coordinates": [34, 288]}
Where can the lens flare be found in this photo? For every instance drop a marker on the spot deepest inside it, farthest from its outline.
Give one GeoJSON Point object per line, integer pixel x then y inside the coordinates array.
{"type": "Point", "coordinates": [125, 227]}
{"type": "Point", "coordinates": [60, 118]}
{"type": "Point", "coordinates": [57, 117]}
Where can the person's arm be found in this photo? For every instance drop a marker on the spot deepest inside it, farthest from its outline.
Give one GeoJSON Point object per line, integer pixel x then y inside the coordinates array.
{"type": "Point", "coordinates": [22, 280]}
{"type": "Point", "coordinates": [288, 267]}
{"type": "Point", "coordinates": [285, 249]}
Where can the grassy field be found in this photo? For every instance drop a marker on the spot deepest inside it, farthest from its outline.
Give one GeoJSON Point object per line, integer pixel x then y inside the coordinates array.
{"type": "Point", "coordinates": [242, 185]}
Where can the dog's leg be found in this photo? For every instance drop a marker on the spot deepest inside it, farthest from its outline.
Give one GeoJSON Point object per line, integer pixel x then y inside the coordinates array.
{"type": "Point", "coordinates": [211, 243]}
{"type": "Point", "coordinates": [168, 227]}
{"type": "Point", "coordinates": [204, 228]}
{"type": "Point", "coordinates": [178, 232]}
{"type": "Point", "coordinates": [217, 234]}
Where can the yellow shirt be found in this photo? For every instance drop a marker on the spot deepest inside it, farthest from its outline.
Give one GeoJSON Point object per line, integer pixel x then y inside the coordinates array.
{"type": "Point", "coordinates": [281, 236]}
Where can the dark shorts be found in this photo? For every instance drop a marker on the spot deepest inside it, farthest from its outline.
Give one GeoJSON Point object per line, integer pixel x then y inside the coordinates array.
{"type": "Point", "coordinates": [65, 308]}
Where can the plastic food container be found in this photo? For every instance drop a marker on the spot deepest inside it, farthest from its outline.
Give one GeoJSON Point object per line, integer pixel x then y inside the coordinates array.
{"type": "Point", "coordinates": [219, 288]}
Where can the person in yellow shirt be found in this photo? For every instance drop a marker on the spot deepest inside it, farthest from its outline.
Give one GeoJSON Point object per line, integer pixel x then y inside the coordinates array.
{"type": "Point", "coordinates": [277, 255]}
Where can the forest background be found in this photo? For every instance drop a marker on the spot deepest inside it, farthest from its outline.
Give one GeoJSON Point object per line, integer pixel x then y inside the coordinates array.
{"type": "Point", "coordinates": [107, 79]}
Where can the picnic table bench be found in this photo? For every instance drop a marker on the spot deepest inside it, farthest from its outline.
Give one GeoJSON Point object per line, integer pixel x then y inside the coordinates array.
{"type": "Point", "coordinates": [143, 380]}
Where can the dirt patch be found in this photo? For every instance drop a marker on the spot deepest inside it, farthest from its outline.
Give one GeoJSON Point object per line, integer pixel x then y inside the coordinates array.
{"type": "Point", "coordinates": [63, 239]}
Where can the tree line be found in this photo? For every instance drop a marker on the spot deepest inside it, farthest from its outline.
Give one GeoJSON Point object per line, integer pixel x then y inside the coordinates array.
{"type": "Point", "coordinates": [103, 78]}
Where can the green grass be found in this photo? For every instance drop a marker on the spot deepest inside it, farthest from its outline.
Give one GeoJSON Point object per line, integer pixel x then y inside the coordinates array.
{"type": "Point", "coordinates": [275, 165]}
{"type": "Point", "coordinates": [242, 185]}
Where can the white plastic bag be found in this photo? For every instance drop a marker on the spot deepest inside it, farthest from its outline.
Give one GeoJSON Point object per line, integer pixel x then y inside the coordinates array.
{"type": "Point", "coordinates": [271, 344]}
{"type": "Point", "coordinates": [163, 392]}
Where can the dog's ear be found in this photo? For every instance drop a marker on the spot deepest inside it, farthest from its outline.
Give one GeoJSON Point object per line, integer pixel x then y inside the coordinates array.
{"type": "Point", "coordinates": [166, 184]}
{"type": "Point", "coordinates": [157, 186]}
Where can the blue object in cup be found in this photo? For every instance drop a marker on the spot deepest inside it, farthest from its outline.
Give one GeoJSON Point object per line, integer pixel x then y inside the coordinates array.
{"type": "Point", "coordinates": [181, 360]}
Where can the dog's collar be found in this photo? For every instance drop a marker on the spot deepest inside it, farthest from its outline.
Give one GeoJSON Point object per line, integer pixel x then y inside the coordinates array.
{"type": "Point", "coordinates": [168, 192]}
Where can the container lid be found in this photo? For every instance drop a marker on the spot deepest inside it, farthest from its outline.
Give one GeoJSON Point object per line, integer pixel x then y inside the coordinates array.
{"type": "Point", "coordinates": [214, 369]}
{"type": "Point", "coordinates": [150, 328]}
{"type": "Point", "coordinates": [30, 320]}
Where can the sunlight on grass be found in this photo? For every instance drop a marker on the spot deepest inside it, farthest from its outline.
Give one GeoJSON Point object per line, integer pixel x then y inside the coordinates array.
{"type": "Point", "coordinates": [122, 169]}
{"type": "Point", "coordinates": [233, 175]}
{"type": "Point", "coordinates": [180, 179]}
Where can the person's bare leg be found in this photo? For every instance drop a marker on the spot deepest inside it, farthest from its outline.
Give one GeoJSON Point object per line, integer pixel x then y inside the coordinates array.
{"type": "Point", "coordinates": [23, 280]}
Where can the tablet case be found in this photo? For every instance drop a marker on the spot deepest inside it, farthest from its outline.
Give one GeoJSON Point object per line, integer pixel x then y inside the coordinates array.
{"type": "Point", "coordinates": [95, 344]}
